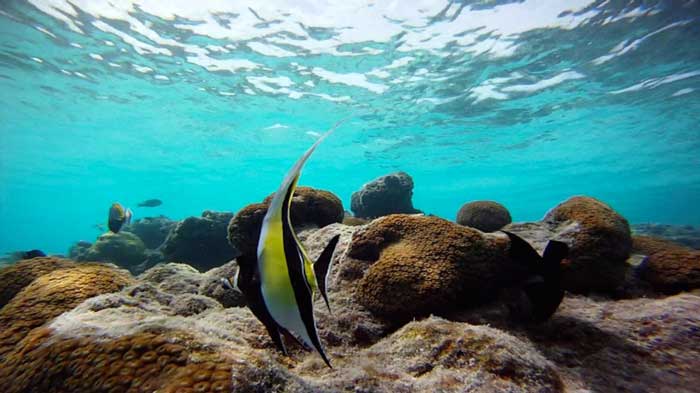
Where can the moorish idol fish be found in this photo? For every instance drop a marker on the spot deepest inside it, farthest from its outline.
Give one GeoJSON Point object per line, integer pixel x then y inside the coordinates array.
{"type": "Point", "coordinates": [543, 287]}
{"type": "Point", "coordinates": [280, 284]}
{"type": "Point", "coordinates": [118, 217]}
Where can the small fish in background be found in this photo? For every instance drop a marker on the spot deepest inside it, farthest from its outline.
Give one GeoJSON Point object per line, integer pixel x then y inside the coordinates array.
{"type": "Point", "coordinates": [118, 217]}
{"type": "Point", "coordinates": [279, 287]}
{"type": "Point", "coordinates": [543, 287]}
{"type": "Point", "coordinates": [150, 203]}
{"type": "Point", "coordinates": [100, 227]}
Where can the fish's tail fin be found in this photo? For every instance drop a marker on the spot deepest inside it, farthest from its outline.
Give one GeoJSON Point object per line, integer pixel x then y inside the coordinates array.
{"type": "Point", "coordinates": [322, 266]}
{"type": "Point", "coordinates": [554, 253]}
{"type": "Point", "coordinates": [521, 251]}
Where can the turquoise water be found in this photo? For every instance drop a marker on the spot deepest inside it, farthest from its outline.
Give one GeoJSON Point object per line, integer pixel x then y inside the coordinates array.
{"type": "Point", "coordinates": [206, 104]}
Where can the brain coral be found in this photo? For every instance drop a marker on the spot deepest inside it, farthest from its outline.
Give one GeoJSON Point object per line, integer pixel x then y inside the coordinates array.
{"type": "Point", "coordinates": [424, 264]}
{"type": "Point", "coordinates": [52, 294]}
{"type": "Point", "coordinates": [599, 245]}
{"type": "Point", "coordinates": [670, 267]}
{"type": "Point", "coordinates": [485, 216]}
{"type": "Point", "coordinates": [309, 207]}
{"type": "Point", "coordinates": [17, 276]}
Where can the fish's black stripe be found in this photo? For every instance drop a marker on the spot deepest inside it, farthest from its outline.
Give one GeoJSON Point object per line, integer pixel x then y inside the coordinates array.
{"type": "Point", "coordinates": [297, 276]}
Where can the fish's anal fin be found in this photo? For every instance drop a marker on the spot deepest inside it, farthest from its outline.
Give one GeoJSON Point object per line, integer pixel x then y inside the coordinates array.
{"type": "Point", "coordinates": [322, 266]}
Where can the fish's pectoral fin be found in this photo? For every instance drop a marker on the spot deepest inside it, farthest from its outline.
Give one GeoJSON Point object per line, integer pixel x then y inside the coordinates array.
{"type": "Point", "coordinates": [323, 265]}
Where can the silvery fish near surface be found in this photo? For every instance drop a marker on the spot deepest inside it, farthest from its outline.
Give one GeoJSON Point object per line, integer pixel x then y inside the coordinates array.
{"type": "Point", "coordinates": [118, 217]}
{"type": "Point", "coordinates": [281, 289]}
{"type": "Point", "coordinates": [150, 203]}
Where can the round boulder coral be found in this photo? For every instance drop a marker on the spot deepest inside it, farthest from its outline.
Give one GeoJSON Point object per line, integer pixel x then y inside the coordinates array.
{"type": "Point", "coordinates": [669, 267]}
{"type": "Point", "coordinates": [152, 230]}
{"type": "Point", "coordinates": [17, 276]}
{"type": "Point", "coordinates": [385, 195]}
{"type": "Point", "coordinates": [310, 207]}
{"type": "Point", "coordinates": [200, 241]}
{"type": "Point", "coordinates": [52, 294]}
{"type": "Point", "coordinates": [486, 216]}
{"type": "Point", "coordinates": [599, 244]}
{"type": "Point", "coordinates": [123, 249]}
{"type": "Point", "coordinates": [424, 265]}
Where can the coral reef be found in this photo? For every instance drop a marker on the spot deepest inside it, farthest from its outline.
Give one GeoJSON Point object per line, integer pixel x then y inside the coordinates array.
{"type": "Point", "coordinates": [310, 207]}
{"type": "Point", "coordinates": [151, 230]}
{"type": "Point", "coordinates": [599, 243]}
{"type": "Point", "coordinates": [93, 328]}
{"type": "Point", "coordinates": [123, 249]}
{"type": "Point", "coordinates": [79, 250]}
{"type": "Point", "coordinates": [486, 216]}
{"type": "Point", "coordinates": [52, 294]}
{"type": "Point", "coordinates": [424, 264]}
{"type": "Point", "coordinates": [385, 195]}
{"type": "Point", "coordinates": [686, 235]}
{"type": "Point", "coordinates": [669, 267]}
{"type": "Point", "coordinates": [18, 275]}
{"type": "Point", "coordinates": [200, 241]}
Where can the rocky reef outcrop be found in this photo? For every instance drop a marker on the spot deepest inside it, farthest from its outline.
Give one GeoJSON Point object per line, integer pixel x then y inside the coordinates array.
{"type": "Point", "coordinates": [686, 235]}
{"type": "Point", "coordinates": [123, 249]}
{"type": "Point", "coordinates": [151, 230]}
{"type": "Point", "coordinates": [94, 328]}
{"type": "Point", "coordinates": [389, 194]}
{"type": "Point", "coordinates": [200, 241]}
{"type": "Point", "coordinates": [486, 216]}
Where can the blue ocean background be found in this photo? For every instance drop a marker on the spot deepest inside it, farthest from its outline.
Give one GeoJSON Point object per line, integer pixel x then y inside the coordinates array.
{"type": "Point", "coordinates": [205, 105]}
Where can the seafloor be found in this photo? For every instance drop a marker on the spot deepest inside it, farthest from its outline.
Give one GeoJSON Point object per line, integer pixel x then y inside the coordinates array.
{"type": "Point", "coordinates": [419, 304]}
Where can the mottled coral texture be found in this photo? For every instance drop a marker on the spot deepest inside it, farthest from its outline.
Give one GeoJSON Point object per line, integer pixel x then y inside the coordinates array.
{"type": "Point", "coordinates": [20, 274]}
{"type": "Point", "coordinates": [424, 264]}
{"type": "Point", "coordinates": [598, 247]}
{"type": "Point", "coordinates": [52, 294]}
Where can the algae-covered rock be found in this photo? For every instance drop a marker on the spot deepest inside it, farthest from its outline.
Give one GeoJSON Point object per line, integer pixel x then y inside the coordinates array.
{"type": "Point", "coordinates": [79, 250]}
{"type": "Point", "coordinates": [310, 207]}
{"type": "Point", "coordinates": [425, 264]}
{"type": "Point", "coordinates": [211, 286]}
{"type": "Point", "coordinates": [686, 235]}
{"type": "Point", "coordinates": [151, 230]}
{"type": "Point", "coordinates": [389, 194]}
{"type": "Point", "coordinates": [53, 293]}
{"type": "Point", "coordinates": [438, 355]}
{"type": "Point", "coordinates": [123, 249]}
{"type": "Point", "coordinates": [200, 241]}
{"type": "Point", "coordinates": [486, 216]}
{"type": "Point", "coordinates": [638, 345]}
{"type": "Point", "coordinates": [18, 275]}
